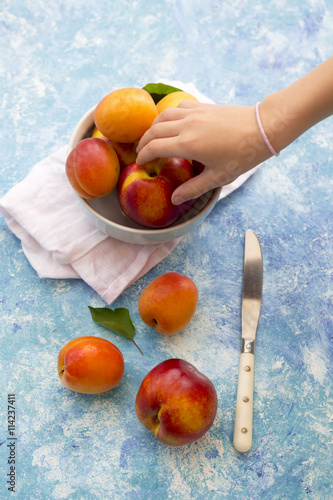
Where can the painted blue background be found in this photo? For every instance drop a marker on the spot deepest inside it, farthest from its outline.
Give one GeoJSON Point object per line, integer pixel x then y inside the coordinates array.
{"type": "Point", "coordinates": [57, 60]}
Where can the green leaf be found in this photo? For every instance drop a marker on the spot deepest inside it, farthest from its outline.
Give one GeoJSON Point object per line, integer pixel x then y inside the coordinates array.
{"type": "Point", "coordinates": [118, 321]}
{"type": "Point", "coordinates": [159, 90]}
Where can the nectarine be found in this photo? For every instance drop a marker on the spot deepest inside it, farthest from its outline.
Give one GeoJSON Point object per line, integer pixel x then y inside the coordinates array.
{"type": "Point", "coordinates": [92, 168]}
{"type": "Point", "coordinates": [90, 365]}
{"type": "Point", "coordinates": [168, 303]}
{"type": "Point", "coordinates": [176, 402]}
{"type": "Point", "coordinates": [126, 152]}
{"type": "Point", "coordinates": [144, 191]}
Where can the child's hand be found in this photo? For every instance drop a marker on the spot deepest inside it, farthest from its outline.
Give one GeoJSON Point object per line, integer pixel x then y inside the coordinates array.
{"type": "Point", "coordinates": [226, 139]}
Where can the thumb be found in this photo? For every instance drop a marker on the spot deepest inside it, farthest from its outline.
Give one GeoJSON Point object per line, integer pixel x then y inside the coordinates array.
{"type": "Point", "coordinates": [192, 188]}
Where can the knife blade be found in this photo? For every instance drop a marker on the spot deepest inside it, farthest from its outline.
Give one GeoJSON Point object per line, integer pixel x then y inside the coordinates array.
{"type": "Point", "coordinates": [251, 305]}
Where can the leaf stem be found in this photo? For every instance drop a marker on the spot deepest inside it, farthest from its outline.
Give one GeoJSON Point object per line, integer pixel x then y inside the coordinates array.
{"type": "Point", "coordinates": [137, 346]}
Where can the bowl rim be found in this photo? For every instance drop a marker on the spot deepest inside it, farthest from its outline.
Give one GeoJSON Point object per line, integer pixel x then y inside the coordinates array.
{"type": "Point", "coordinates": [73, 141]}
{"type": "Point", "coordinates": [215, 193]}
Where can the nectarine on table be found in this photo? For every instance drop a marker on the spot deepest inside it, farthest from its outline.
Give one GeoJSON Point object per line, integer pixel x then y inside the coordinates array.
{"type": "Point", "coordinates": [176, 402]}
{"type": "Point", "coordinates": [90, 365]}
{"type": "Point", "coordinates": [92, 168]}
{"type": "Point", "coordinates": [168, 303]}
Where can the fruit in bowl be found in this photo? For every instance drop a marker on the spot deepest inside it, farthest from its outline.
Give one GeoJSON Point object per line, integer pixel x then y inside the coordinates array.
{"type": "Point", "coordinates": [90, 365]}
{"type": "Point", "coordinates": [173, 100]}
{"type": "Point", "coordinates": [104, 210]}
{"type": "Point", "coordinates": [126, 151]}
{"type": "Point", "coordinates": [168, 303]}
{"type": "Point", "coordinates": [92, 168]}
{"type": "Point", "coordinates": [125, 114]}
{"type": "Point", "coordinates": [144, 191]}
{"type": "Point", "coordinates": [176, 402]}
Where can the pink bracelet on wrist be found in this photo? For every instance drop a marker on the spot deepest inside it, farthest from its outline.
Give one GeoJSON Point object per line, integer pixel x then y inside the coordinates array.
{"type": "Point", "coordinates": [263, 135]}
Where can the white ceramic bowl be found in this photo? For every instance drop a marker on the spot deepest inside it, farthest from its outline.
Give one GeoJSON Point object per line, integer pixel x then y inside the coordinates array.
{"type": "Point", "coordinates": [107, 215]}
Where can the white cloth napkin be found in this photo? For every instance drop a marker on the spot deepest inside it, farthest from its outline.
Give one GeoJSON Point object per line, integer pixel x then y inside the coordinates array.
{"type": "Point", "coordinates": [61, 242]}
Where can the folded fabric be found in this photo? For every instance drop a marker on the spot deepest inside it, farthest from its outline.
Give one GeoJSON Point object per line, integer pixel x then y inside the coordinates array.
{"type": "Point", "coordinates": [61, 242]}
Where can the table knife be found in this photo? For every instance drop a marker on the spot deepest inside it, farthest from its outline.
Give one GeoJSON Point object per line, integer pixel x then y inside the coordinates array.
{"type": "Point", "coordinates": [251, 304]}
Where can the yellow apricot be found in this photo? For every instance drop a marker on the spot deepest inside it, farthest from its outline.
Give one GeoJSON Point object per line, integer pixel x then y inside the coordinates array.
{"type": "Point", "coordinates": [96, 133]}
{"type": "Point", "coordinates": [125, 114]}
{"type": "Point", "coordinates": [172, 100]}
{"type": "Point", "coordinates": [168, 303]}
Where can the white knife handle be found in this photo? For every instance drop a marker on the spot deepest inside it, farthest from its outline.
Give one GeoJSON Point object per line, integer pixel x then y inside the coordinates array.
{"type": "Point", "coordinates": [244, 404]}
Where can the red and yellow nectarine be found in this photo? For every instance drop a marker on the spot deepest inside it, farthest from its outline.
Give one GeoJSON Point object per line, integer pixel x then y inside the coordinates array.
{"type": "Point", "coordinates": [92, 168]}
{"type": "Point", "coordinates": [176, 402]}
{"type": "Point", "coordinates": [144, 191]}
{"type": "Point", "coordinates": [126, 152]}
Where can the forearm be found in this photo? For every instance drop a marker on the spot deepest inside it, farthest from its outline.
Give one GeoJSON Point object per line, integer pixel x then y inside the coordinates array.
{"type": "Point", "coordinates": [290, 112]}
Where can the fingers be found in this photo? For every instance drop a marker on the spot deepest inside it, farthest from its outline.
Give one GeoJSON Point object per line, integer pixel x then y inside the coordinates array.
{"type": "Point", "coordinates": [169, 115]}
{"type": "Point", "coordinates": [165, 125]}
{"type": "Point", "coordinates": [160, 140]}
{"type": "Point", "coordinates": [188, 104]}
{"type": "Point", "coordinates": [160, 148]}
{"type": "Point", "coordinates": [158, 131]}
{"type": "Point", "coordinates": [192, 189]}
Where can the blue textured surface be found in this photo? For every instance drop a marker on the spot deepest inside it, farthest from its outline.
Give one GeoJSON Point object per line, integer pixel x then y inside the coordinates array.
{"type": "Point", "coordinates": [58, 59]}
